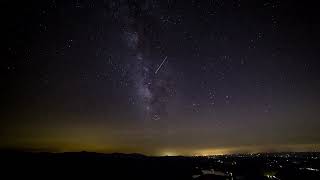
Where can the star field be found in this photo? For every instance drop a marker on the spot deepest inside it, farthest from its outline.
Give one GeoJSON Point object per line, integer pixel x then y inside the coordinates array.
{"type": "Point", "coordinates": [155, 76]}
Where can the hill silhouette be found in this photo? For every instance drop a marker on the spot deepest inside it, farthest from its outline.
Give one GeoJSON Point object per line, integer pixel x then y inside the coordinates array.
{"type": "Point", "coordinates": [91, 165]}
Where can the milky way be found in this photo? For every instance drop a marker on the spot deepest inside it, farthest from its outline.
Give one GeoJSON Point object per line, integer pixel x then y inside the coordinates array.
{"type": "Point", "coordinates": [140, 32]}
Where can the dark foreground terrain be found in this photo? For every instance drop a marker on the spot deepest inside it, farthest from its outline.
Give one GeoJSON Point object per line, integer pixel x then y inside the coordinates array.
{"type": "Point", "coordinates": [24, 165]}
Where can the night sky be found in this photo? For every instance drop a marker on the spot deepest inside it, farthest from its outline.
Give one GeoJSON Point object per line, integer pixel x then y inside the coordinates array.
{"type": "Point", "coordinates": [160, 77]}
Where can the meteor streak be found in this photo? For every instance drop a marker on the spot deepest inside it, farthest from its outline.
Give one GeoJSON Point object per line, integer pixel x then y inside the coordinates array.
{"type": "Point", "coordinates": [161, 64]}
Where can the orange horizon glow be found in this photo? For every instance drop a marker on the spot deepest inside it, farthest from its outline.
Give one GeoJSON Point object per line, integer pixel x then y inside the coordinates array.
{"type": "Point", "coordinates": [172, 151]}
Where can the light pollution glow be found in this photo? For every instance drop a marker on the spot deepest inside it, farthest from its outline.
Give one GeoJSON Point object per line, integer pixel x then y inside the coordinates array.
{"type": "Point", "coordinates": [68, 146]}
{"type": "Point", "coordinates": [97, 139]}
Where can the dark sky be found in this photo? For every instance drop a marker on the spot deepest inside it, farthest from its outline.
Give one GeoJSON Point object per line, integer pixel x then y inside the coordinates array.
{"type": "Point", "coordinates": [160, 76]}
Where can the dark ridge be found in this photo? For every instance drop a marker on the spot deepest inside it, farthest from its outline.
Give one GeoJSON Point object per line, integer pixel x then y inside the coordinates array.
{"type": "Point", "coordinates": [91, 165]}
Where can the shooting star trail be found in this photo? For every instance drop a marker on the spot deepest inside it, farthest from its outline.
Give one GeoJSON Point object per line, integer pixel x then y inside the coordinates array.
{"type": "Point", "coordinates": [161, 64]}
